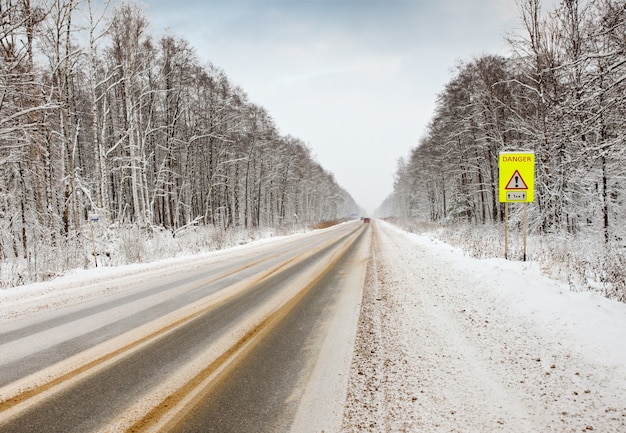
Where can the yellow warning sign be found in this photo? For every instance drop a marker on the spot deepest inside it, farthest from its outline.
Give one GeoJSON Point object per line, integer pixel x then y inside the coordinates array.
{"type": "Point", "coordinates": [517, 177]}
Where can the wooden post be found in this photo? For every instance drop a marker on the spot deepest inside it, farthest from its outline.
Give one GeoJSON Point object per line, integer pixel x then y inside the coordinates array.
{"type": "Point", "coordinates": [93, 242]}
{"type": "Point", "coordinates": [525, 226]}
{"type": "Point", "coordinates": [506, 229]}
{"type": "Point", "coordinates": [93, 238]}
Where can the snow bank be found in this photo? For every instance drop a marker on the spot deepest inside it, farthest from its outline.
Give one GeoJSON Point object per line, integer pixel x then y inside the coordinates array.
{"type": "Point", "coordinates": [449, 343]}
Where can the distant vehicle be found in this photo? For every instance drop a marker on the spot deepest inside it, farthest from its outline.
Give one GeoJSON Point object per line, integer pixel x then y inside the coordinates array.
{"type": "Point", "coordinates": [366, 220]}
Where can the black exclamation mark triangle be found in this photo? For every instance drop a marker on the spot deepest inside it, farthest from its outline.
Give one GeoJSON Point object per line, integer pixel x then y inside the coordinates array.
{"type": "Point", "coordinates": [516, 182]}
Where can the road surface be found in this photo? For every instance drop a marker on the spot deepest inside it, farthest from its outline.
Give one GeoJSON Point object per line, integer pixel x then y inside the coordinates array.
{"type": "Point", "coordinates": [251, 343]}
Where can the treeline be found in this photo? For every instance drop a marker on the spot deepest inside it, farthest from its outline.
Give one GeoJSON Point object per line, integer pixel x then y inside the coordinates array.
{"type": "Point", "coordinates": [562, 94]}
{"type": "Point", "coordinates": [99, 119]}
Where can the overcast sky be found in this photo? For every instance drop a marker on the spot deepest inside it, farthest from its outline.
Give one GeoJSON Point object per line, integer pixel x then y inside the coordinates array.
{"type": "Point", "coordinates": [356, 80]}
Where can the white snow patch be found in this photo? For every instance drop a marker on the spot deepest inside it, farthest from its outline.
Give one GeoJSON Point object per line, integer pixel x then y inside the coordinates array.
{"type": "Point", "coordinates": [450, 343]}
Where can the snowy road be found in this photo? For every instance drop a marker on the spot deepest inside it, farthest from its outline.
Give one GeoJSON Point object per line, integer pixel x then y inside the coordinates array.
{"type": "Point", "coordinates": [141, 358]}
{"type": "Point", "coordinates": [445, 343]}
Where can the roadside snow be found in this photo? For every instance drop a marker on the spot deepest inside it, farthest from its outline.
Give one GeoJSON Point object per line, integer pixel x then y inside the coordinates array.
{"type": "Point", "coordinates": [83, 285]}
{"type": "Point", "coordinates": [454, 344]}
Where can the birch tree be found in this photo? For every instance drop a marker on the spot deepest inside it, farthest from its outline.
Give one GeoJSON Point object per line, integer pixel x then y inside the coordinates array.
{"type": "Point", "coordinates": [131, 53]}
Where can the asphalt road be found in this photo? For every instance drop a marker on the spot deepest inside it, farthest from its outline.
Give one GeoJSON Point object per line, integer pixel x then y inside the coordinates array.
{"type": "Point", "coordinates": [263, 392]}
{"type": "Point", "coordinates": [231, 347]}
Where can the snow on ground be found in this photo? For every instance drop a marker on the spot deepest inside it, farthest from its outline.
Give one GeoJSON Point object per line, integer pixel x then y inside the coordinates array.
{"type": "Point", "coordinates": [453, 344]}
{"type": "Point", "coordinates": [446, 343]}
{"type": "Point", "coordinates": [84, 285]}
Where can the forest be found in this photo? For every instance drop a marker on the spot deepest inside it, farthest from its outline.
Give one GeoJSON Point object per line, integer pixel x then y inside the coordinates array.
{"type": "Point", "coordinates": [118, 147]}
{"type": "Point", "coordinates": [560, 94]}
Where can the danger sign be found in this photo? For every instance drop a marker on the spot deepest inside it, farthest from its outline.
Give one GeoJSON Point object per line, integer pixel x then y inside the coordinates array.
{"type": "Point", "coordinates": [517, 177]}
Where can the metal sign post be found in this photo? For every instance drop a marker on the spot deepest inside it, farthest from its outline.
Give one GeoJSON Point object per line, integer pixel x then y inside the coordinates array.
{"type": "Point", "coordinates": [516, 185]}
